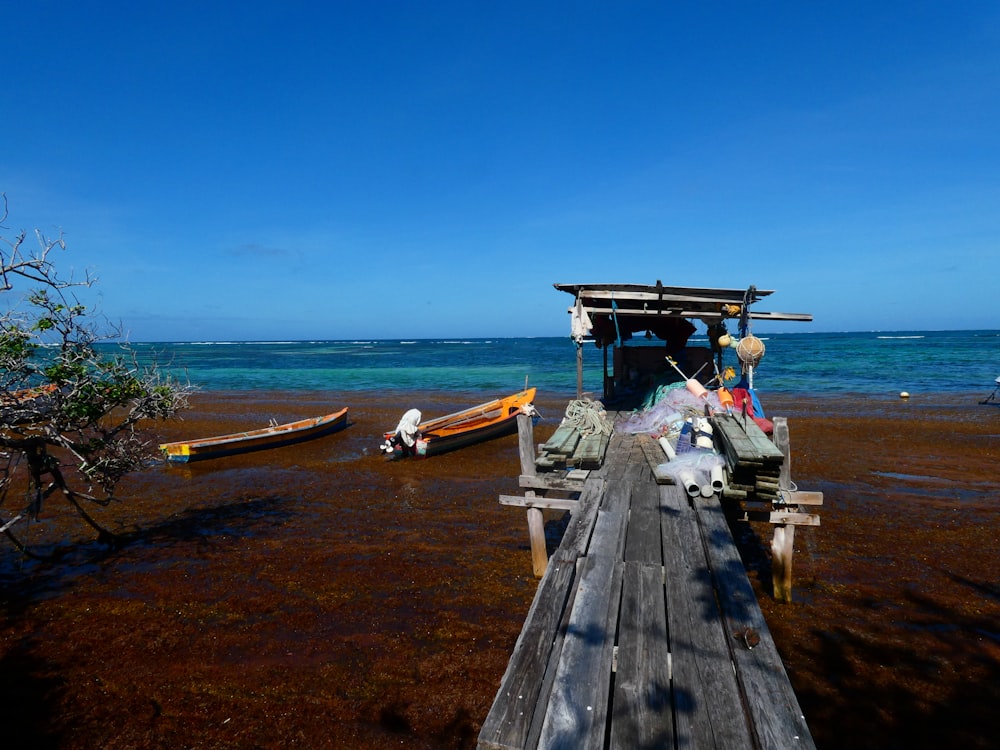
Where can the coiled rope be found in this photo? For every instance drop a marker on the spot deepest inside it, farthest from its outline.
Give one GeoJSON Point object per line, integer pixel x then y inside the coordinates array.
{"type": "Point", "coordinates": [588, 417]}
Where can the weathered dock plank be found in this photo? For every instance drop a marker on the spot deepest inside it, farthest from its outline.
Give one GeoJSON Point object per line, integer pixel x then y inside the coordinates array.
{"type": "Point", "coordinates": [655, 458]}
{"type": "Point", "coordinates": [576, 711]}
{"type": "Point", "coordinates": [645, 631]}
{"type": "Point", "coordinates": [590, 451]}
{"type": "Point", "coordinates": [641, 710]}
{"type": "Point", "coordinates": [507, 726]}
{"type": "Point", "coordinates": [642, 541]}
{"type": "Point", "coordinates": [709, 712]}
{"type": "Point", "coordinates": [565, 483]}
{"type": "Point", "coordinates": [581, 525]}
{"type": "Point", "coordinates": [616, 459]}
{"type": "Point", "coordinates": [563, 440]}
{"type": "Point", "coordinates": [773, 707]}
{"type": "Point", "coordinates": [745, 442]}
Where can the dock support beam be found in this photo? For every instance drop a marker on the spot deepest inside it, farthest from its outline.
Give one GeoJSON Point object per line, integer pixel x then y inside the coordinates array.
{"type": "Point", "coordinates": [783, 541]}
{"type": "Point", "coordinates": [579, 370]}
{"type": "Point", "coordinates": [536, 521]}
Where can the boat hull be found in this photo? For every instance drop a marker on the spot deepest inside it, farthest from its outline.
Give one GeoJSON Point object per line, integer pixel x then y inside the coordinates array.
{"type": "Point", "coordinates": [477, 424]}
{"type": "Point", "coordinates": [254, 440]}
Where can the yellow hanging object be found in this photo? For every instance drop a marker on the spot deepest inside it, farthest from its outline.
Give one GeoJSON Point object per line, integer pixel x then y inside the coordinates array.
{"type": "Point", "coordinates": [750, 350]}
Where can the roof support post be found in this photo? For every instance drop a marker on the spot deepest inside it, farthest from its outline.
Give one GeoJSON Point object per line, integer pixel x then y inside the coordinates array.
{"type": "Point", "coordinates": [579, 370]}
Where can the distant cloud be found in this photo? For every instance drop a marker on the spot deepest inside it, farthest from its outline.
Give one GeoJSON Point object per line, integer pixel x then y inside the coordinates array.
{"type": "Point", "coordinates": [253, 250]}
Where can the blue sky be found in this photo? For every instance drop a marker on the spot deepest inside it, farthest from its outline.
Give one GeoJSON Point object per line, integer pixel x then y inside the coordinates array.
{"type": "Point", "coordinates": [291, 170]}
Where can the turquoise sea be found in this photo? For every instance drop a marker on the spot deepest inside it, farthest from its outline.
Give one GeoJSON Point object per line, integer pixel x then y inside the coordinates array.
{"type": "Point", "coordinates": [874, 363]}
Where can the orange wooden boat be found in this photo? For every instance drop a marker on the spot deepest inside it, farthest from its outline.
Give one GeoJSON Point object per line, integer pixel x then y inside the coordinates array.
{"type": "Point", "coordinates": [473, 425]}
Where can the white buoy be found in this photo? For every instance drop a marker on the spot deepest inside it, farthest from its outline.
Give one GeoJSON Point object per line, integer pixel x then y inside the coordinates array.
{"type": "Point", "coordinates": [904, 394]}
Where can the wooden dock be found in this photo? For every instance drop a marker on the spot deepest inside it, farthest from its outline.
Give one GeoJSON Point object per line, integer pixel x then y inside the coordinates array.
{"type": "Point", "coordinates": [644, 631]}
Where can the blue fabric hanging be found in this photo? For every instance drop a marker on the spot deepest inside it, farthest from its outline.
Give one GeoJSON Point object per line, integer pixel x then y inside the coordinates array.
{"type": "Point", "coordinates": [614, 315]}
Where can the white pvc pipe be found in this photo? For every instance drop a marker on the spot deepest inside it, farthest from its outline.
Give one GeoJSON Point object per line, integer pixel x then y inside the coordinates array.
{"type": "Point", "coordinates": [690, 485]}
{"type": "Point", "coordinates": [717, 481]}
{"type": "Point", "coordinates": [668, 449]}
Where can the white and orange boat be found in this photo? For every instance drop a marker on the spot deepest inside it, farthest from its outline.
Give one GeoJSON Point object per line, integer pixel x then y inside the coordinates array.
{"type": "Point", "coordinates": [486, 421]}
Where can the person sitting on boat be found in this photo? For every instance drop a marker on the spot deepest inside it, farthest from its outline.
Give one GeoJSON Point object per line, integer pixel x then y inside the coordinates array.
{"type": "Point", "coordinates": [407, 433]}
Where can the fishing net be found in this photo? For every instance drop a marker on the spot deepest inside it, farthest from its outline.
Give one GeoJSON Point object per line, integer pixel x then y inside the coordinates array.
{"type": "Point", "coordinates": [655, 420]}
{"type": "Point", "coordinates": [667, 406]}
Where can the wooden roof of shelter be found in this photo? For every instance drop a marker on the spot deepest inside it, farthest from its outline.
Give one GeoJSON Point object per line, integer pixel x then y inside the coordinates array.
{"type": "Point", "coordinates": [627, 308]}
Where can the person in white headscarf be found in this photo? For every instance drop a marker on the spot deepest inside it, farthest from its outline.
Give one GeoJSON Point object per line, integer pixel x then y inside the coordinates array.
{"type": "Point", "coordinates": [406, 435]}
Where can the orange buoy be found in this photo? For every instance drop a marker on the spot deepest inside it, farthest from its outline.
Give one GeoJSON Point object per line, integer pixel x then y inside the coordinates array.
{"type": "Point", "coordinates": [726, 398]}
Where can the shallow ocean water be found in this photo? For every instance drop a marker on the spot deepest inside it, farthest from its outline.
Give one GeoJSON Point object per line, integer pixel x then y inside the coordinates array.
{"type": "Point", "coordinates": [870, 363]}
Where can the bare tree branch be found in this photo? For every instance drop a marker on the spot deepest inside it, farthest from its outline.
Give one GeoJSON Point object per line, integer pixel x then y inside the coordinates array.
{"type": "Point", "coordinates": [68, 399]}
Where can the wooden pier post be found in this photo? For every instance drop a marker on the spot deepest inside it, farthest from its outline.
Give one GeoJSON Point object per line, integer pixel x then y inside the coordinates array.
{"type": "Point", "coordinates": [536, 521]}
{"type": "Point", "coordinates": [783, 541]}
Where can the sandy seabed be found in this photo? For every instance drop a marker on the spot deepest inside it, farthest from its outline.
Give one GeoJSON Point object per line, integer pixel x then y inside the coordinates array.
{"type": "Point", "coordinates": [318, 596]}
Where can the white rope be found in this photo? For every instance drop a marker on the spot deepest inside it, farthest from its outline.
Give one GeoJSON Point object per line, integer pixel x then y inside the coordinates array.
{"type": "Point", "coordinates": [589, 417]}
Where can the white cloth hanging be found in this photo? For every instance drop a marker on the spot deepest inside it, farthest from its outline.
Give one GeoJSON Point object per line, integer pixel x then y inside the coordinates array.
{"type": "Point", "coordinates": [580, 325]}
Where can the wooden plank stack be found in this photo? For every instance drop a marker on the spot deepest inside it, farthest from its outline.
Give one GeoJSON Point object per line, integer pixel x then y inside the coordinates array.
{"type": "Point", "coordinates": [752, 460]}
{"type": "Point", "coordinates": [568, 448]}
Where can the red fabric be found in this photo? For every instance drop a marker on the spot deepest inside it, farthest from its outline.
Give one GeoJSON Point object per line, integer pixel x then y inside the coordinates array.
{"type": "Point", "coordinates": [741, 396]}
